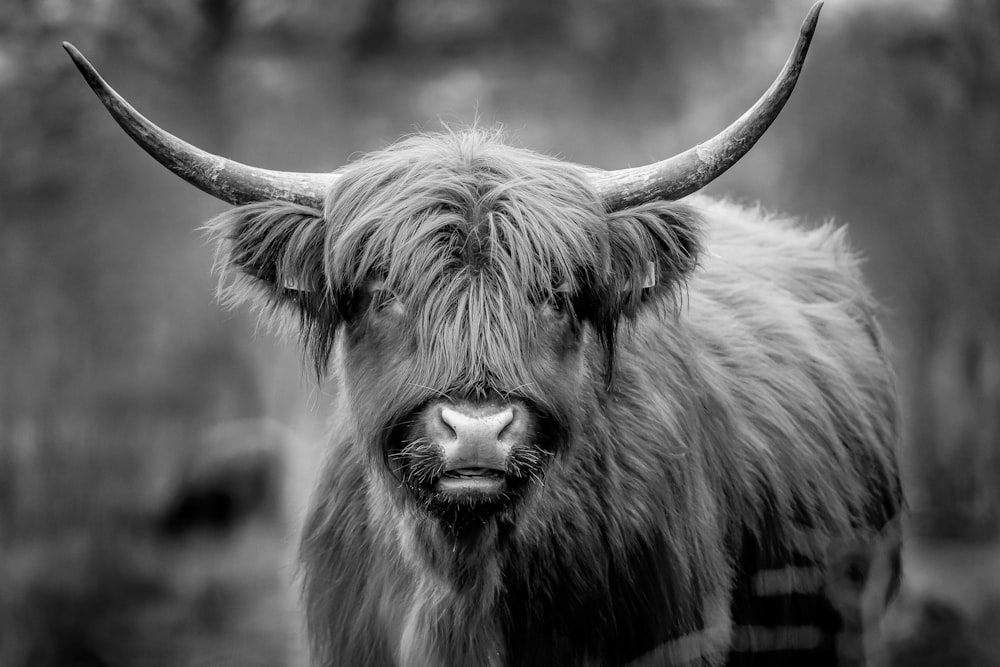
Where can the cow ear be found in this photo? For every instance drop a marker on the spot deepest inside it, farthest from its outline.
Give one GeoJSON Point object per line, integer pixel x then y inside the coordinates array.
{"type": "Point", "coordinates": [270, 255]}
{"type": "Point", "coordinates": [652, 249]}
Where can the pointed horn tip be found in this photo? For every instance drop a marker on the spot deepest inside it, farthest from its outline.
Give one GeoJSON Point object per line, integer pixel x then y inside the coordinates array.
{"type": "Point", "coordinates": [812, 18]}
{"type": "Point", "coordinates": [81, 62]}
{"type": "Point", "coordinates": [73, 52]}
{"type": "Point", "coordinates": [619, 192]}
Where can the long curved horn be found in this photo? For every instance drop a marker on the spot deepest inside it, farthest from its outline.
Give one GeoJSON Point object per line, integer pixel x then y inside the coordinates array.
{"type": "Point", "coordinates": [696, 167]}
{"type": "Point", "coordinates": [220, 177]}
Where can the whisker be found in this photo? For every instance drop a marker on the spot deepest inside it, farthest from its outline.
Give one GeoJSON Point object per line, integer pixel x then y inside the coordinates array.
{"type": "Point", "coordinates": [430, 389]}
{"type": "Point", "coordinates": [421, 460]}
{"type": "Point", "coordinates": [507, 393]}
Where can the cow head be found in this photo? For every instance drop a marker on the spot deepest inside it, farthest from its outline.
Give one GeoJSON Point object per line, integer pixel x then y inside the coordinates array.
{"type": "Point", "coordinates": [453, 282]}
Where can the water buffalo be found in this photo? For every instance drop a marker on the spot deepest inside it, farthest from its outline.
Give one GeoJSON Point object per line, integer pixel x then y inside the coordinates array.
{"type": "Point", "coordinates": [578, 422]}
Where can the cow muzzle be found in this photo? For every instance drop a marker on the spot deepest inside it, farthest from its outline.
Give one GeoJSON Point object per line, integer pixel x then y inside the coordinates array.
{"type": "Point", "coordinates": [475, 444]}
{"type": "Point", "coordinates": [467, 451]}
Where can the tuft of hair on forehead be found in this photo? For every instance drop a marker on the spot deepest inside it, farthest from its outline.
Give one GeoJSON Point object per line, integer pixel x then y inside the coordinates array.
{"type": "Point", "coordinates": [463, 229]}
{"type": "Point", "coordinates": [435, 205]}
{"type": "Point", "coordinates": [431, 214]}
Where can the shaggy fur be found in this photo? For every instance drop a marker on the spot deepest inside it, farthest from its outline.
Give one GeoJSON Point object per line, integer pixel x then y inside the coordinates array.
{"type": "Point", "coordinates": [705, 432]}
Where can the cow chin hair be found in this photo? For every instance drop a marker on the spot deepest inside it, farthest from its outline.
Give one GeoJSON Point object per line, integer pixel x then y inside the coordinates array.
{"type": "Point", "coordinates": [418, 466]}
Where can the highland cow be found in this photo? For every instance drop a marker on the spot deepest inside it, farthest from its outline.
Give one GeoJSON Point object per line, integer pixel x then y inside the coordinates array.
{"type": "Point", "coordinates": [577, 421]}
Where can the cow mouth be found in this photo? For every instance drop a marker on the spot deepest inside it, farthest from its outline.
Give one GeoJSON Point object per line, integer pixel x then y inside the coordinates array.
{"type": "Point", "coordinates": [473, 472]}
{"type": "Point", "coordinates": [474, 478]}
{"type": "Point", "coordinates": [471, 480]}
{"type": "Point", "coordinates": [459, 492]}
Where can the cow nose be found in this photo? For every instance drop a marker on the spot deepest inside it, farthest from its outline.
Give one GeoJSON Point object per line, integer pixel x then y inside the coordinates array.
{"type": "Point", "coordinates": [476, 427]}
{"type": "Point", "coordinates": [474, 437]}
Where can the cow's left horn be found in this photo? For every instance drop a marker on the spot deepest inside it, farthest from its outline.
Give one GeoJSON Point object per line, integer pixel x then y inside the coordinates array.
{"type": "Point", "coordinates": [696, 167]}
{"type": "Point", "coordinates": [220, 177]}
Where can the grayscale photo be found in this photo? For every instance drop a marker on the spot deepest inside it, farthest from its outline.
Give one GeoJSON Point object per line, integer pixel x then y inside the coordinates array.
{"type": "Point", "coordinates": [500, 333]}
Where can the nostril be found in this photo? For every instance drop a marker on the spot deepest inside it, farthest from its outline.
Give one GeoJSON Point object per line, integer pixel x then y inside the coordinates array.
{"type": "Point", "coordinates": [477, 425]}
{"type": "Point", "coordinates": [448, 423]}
{"type": "Point", "coordinates": [504, 420]}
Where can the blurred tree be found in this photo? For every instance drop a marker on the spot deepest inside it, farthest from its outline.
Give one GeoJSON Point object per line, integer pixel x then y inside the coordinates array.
{"type": "Point", "coordinates": [129, 532]}
{"type": "Point", "coordinates": [379, 29]}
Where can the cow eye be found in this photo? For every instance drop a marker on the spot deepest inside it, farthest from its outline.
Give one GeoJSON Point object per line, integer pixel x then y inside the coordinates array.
{"type": "Point", "coordinates": [558, 302]}
{"type": "Point", "coordinates": [386, 301]}
{"type": "Point", "coordinates": [383, 300]}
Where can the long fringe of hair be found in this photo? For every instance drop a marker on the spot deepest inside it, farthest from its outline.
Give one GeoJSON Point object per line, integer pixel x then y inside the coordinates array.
{"type": "Point", "coordinates": [455, 223]}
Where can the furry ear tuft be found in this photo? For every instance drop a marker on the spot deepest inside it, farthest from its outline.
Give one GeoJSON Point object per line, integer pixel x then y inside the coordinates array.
{"type": "Point", "coordinates": [270, 255]}
{"type": "Point", "coordinates": [651, 250]}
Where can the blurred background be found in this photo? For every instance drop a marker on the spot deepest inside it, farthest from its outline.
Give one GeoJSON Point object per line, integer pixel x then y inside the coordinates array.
{"type": "Point", "coordinates": [156, 451]}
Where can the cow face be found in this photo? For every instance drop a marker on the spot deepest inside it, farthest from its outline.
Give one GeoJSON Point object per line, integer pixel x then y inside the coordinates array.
{"type": "Point", "coordinates": [463, 285]}
{"type": "Point", "coordinates": [463, 401]}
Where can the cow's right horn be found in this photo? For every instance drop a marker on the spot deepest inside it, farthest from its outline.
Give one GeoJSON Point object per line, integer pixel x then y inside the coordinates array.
{"type": "Point", "coordinates": [220, 177]}
{"type": "Point", "coordinates": [696, 167]}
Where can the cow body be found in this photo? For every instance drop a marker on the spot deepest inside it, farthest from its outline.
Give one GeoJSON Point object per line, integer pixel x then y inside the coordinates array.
{"type": "Point", "coordinates": [709, 405]}
{"type": "Point", "coordinates": [576, 422]}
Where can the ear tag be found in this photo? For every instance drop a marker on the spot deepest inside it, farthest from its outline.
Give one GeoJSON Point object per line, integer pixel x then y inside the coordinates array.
{"type": "Point", "coordinates": [650, 279]}
{"type": "Point", "coordinates": [294, 284]}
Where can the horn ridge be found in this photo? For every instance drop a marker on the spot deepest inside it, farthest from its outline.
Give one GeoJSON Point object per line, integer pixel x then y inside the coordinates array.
{"type": "Point", "coordinates": [226, 179]}
{"type": "Point", "coordinates": [687, 172]}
